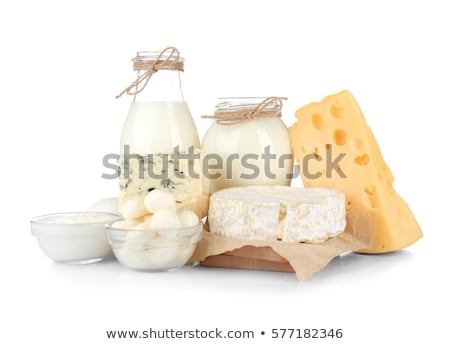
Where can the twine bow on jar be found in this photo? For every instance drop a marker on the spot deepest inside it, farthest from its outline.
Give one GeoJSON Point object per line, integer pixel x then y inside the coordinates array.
{"type": "Point", "coordinates": [168, 59]}
{"type": "Point", "coordinates": [269, 107]}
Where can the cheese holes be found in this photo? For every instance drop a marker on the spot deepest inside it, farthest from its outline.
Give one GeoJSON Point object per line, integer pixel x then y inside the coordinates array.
{"type": "Point", "coordinates": [371, 189]}
{"type": "Point", "coordinates": [317, 121]}
{"type": "Point", "coordinates": [339, 137]}
{"type": "Point", "coordinates": [371, 197]}
{"type": "Point", "coordinates": [336, 111]}
{"type": "Point", "coordinates": [358, 145]}
{"type": "Point", "coordinates": [362, 160]}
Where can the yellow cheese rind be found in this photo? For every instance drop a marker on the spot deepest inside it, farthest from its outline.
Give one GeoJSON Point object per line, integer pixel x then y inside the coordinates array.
{"type": "Point", "coordinates": [335, 126]}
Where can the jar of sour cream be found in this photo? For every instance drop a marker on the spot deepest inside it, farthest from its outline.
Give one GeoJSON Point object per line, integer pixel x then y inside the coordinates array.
{"type": "Point", "coordinates": [247, 144]}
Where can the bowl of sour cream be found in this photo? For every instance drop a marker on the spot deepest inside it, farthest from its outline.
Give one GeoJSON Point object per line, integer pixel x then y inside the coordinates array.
{"type": "Point", "coordinates": [75, 237]}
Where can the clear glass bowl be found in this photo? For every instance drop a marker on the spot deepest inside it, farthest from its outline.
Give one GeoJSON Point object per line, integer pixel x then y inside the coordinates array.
{"type": "Point", "coordinates": [75, 237]}
{"type": "Point", "coordinates": [154, 250]}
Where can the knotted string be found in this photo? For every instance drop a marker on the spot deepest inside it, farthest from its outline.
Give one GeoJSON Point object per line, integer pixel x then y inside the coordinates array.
{"type": "Point", "coordinates": [171, 62]}
{"type": "Point", "coordinates": [262, 110]}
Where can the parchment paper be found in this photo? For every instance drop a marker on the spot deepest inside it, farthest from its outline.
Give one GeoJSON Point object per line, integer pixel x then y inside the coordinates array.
{"type": "Point", "coordinates": [305, 259]}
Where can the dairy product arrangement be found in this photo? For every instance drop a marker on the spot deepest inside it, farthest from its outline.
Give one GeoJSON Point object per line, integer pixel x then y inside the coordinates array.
{"type": "Point", "coordinates": [179, 199]}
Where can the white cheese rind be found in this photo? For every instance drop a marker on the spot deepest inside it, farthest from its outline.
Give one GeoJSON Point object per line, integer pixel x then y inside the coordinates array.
{"type": "Point", "coordinates": [309, 215]}
{"type": "Point", "coordinates": [245, 219]}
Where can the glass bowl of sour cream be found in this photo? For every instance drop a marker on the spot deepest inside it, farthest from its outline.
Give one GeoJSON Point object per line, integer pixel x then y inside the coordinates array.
{"type": "Point", "coordinates": [75, 237]}
{"type": "Point", "coordinates": [153, 250]}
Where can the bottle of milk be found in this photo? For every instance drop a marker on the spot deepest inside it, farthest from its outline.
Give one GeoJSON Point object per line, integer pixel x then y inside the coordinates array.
{"type": "Point", "coordinates": [159, 144]}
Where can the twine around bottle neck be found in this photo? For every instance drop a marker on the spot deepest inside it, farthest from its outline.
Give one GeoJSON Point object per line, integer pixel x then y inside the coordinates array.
{"type": "Point", "coordinates": [262, 110]}
{"type": "Point", "coordinates": [171, 62]}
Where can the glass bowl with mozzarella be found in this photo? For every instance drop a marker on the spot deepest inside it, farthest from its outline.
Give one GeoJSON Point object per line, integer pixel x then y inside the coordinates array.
{"type": "Point", "coordinates": [162, 249]}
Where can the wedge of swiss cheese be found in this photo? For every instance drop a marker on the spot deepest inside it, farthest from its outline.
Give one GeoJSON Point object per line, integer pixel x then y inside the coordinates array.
{"type": "Point", "coordinates": [335, 148]}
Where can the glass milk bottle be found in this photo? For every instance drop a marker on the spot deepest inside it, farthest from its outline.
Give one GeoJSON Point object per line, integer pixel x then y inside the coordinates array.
{"type": "Point", "coordinates": [247, 144]}
{"type": "Point", "coordinates": [159, 138]}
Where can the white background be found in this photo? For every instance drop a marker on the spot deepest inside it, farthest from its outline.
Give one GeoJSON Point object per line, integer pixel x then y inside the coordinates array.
{"type": "Point", "coordinates": [62, 63]}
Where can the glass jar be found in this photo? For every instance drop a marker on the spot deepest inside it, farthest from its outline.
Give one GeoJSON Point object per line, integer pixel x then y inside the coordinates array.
{"type": "Point", "coordinates": [249, 147]}
{"type": "Point", "coordinates": [158, 118]}
{"type": "Point", "coordinates": [159, 138]}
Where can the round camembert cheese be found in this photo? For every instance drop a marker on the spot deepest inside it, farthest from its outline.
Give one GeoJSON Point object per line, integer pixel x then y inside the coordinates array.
{"type": "Point", "coordinates": [309, 215]}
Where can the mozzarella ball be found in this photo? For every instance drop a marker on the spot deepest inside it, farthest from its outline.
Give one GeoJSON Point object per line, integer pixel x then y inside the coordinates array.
{"type": "Point", "coordinates": [143, 225]}
{"type": "Point", "coordinates": [133, 209]}
{"type": "Point", "coordinates": [188, 218]}
{"type": "Point", "coordinates": [165, 218]}
{"type": "Point", "coordinates": [159, 199]}
{"type": "Point", "coordinates": [140, 239]}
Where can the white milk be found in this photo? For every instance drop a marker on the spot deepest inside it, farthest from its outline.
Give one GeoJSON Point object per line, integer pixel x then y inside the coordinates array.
{"type": "Point", "coordinates": [158, 127]}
